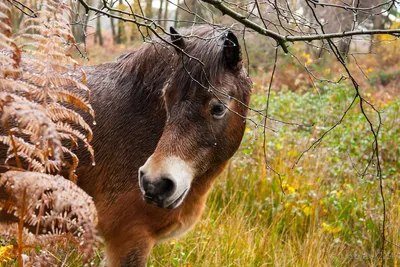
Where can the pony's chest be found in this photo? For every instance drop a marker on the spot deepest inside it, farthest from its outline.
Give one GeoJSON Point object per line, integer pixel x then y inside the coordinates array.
{"type": "Point", "coordinates": [173, 231]}
{"type": "Point", "coordinates": [183, 223]}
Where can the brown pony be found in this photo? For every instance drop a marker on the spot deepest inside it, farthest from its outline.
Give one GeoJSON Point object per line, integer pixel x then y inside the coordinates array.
{"type": "Point", "coordinates": [169, 117]}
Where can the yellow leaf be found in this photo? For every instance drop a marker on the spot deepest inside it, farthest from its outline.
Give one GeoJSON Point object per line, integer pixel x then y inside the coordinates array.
{"type": "Point", "coordinates": [306, 210]}
{"type": "Point", "coordinates": [5, 253]}
{"type": "Point", "coordinates": [292, 153]}
{"type": "Point", "coordinates": [288, 188]}
{"type": "Point", "coordinates": [121, 7]}
{"type": "Point", "coordinates": [331, 229]}
{"type": "Point", "coordinates": [291, 190]}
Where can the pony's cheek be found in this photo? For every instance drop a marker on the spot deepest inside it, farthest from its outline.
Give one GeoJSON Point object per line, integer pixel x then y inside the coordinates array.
{"type": "Point", "coordinates": [232, 136]}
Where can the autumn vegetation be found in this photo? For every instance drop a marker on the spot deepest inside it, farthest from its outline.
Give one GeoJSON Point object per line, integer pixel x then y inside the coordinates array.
{"type": "Point", "coordinates": [267, 209]}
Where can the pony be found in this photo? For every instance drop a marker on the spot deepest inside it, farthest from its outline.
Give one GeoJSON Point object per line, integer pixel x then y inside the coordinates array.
{"type": "Point", "coordinates": [169, 115]}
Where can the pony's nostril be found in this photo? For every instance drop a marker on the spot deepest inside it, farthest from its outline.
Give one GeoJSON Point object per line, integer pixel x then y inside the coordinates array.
{"type": "Point", "coordinates": [166, 187]}
{"type": "Point", "coordinates": [160, 190]}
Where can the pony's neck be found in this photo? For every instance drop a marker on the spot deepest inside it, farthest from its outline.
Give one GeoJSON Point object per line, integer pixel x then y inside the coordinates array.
{"type": "Point", "coordinates": [147, 69]}
{"type": "Point", "coordinates": [133, 85]}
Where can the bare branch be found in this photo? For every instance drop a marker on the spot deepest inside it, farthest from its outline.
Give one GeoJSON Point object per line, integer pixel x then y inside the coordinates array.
{"type": "Point", "coordinates": [282, 39]}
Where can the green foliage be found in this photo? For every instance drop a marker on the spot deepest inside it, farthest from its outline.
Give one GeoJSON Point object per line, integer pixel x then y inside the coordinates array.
{"type": "Point", "coordinates": [385, 77]}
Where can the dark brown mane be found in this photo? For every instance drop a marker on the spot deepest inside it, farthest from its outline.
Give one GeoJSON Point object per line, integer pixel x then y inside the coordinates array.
{"type": "Point", "coordinates": [157, 60]}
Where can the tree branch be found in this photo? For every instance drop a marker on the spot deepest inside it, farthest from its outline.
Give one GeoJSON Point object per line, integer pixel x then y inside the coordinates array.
{"type": "Point", "coordinates": [282, 39]}
{"type": "Point", "coordinates": [248, 23]}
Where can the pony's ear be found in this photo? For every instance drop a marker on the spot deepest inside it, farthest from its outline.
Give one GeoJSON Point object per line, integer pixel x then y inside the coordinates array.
{"type": "Point", "coordinates": [232, 54]}
{"type": "Point", "coordinates": [176, 38]}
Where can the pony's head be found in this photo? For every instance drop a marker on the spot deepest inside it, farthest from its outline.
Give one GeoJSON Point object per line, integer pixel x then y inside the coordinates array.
{"type": "Point", "coordinates": [206, 103]}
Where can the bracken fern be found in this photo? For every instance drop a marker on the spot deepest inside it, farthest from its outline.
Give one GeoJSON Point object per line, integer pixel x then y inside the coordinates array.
{"type": "Point", "coordinates": [41, 90]}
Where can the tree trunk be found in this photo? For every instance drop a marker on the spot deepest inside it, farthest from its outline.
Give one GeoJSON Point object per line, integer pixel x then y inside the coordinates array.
{"type": "Point", "coordinates": [98, 35]}
{"type": "Point", "coordinates": [159, 17]}
{"type": "Point", "coordinates": [80, 28]}
{"type": "Point", "coordinates": [176, 15]}
{"type": "Point", "coordinates": [121, 35]}
{"type": "Point", "coordinates": [114, 34]}
{"type": "Point", "coordinates": [149, 9]}
{"type": "Point", "coordinates": [16, 20]}
{"type": "Point", "coordinates": [135, 33]}
{"type": "Point", "coordinates": [192, 6]}
{"type": "Point", "coordinates": [165, 14]}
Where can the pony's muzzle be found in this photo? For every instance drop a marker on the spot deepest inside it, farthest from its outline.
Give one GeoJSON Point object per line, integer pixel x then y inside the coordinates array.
{"type": "Point", "coordinates": [165, 183]}
{"type": "Point", "coordinates": [157, 191]}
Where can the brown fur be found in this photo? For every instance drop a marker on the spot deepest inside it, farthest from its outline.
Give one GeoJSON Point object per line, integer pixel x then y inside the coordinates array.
{"type": "Point", "coordinates": [133, 98]}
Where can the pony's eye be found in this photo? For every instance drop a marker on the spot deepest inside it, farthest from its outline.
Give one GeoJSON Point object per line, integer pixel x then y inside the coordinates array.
{"type": "Point", "coordinates": [218, 111]}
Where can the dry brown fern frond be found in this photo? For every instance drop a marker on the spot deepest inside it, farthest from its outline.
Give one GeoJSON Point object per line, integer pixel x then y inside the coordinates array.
{"type": "Point", "coordinates": [10, 60]}
{"type": "Point", "coordinates": [41, 93]}
{"type": "Point", "coordinates": [40, 259]}
{"type": "Point", "coordinates": [55, 206]}
{"type": "Point", "coordinates": [46, 79]}
{"type": "Point", "coordinates": [32, 118]}
{"type": "Point", "coordinates": [59, 113]}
